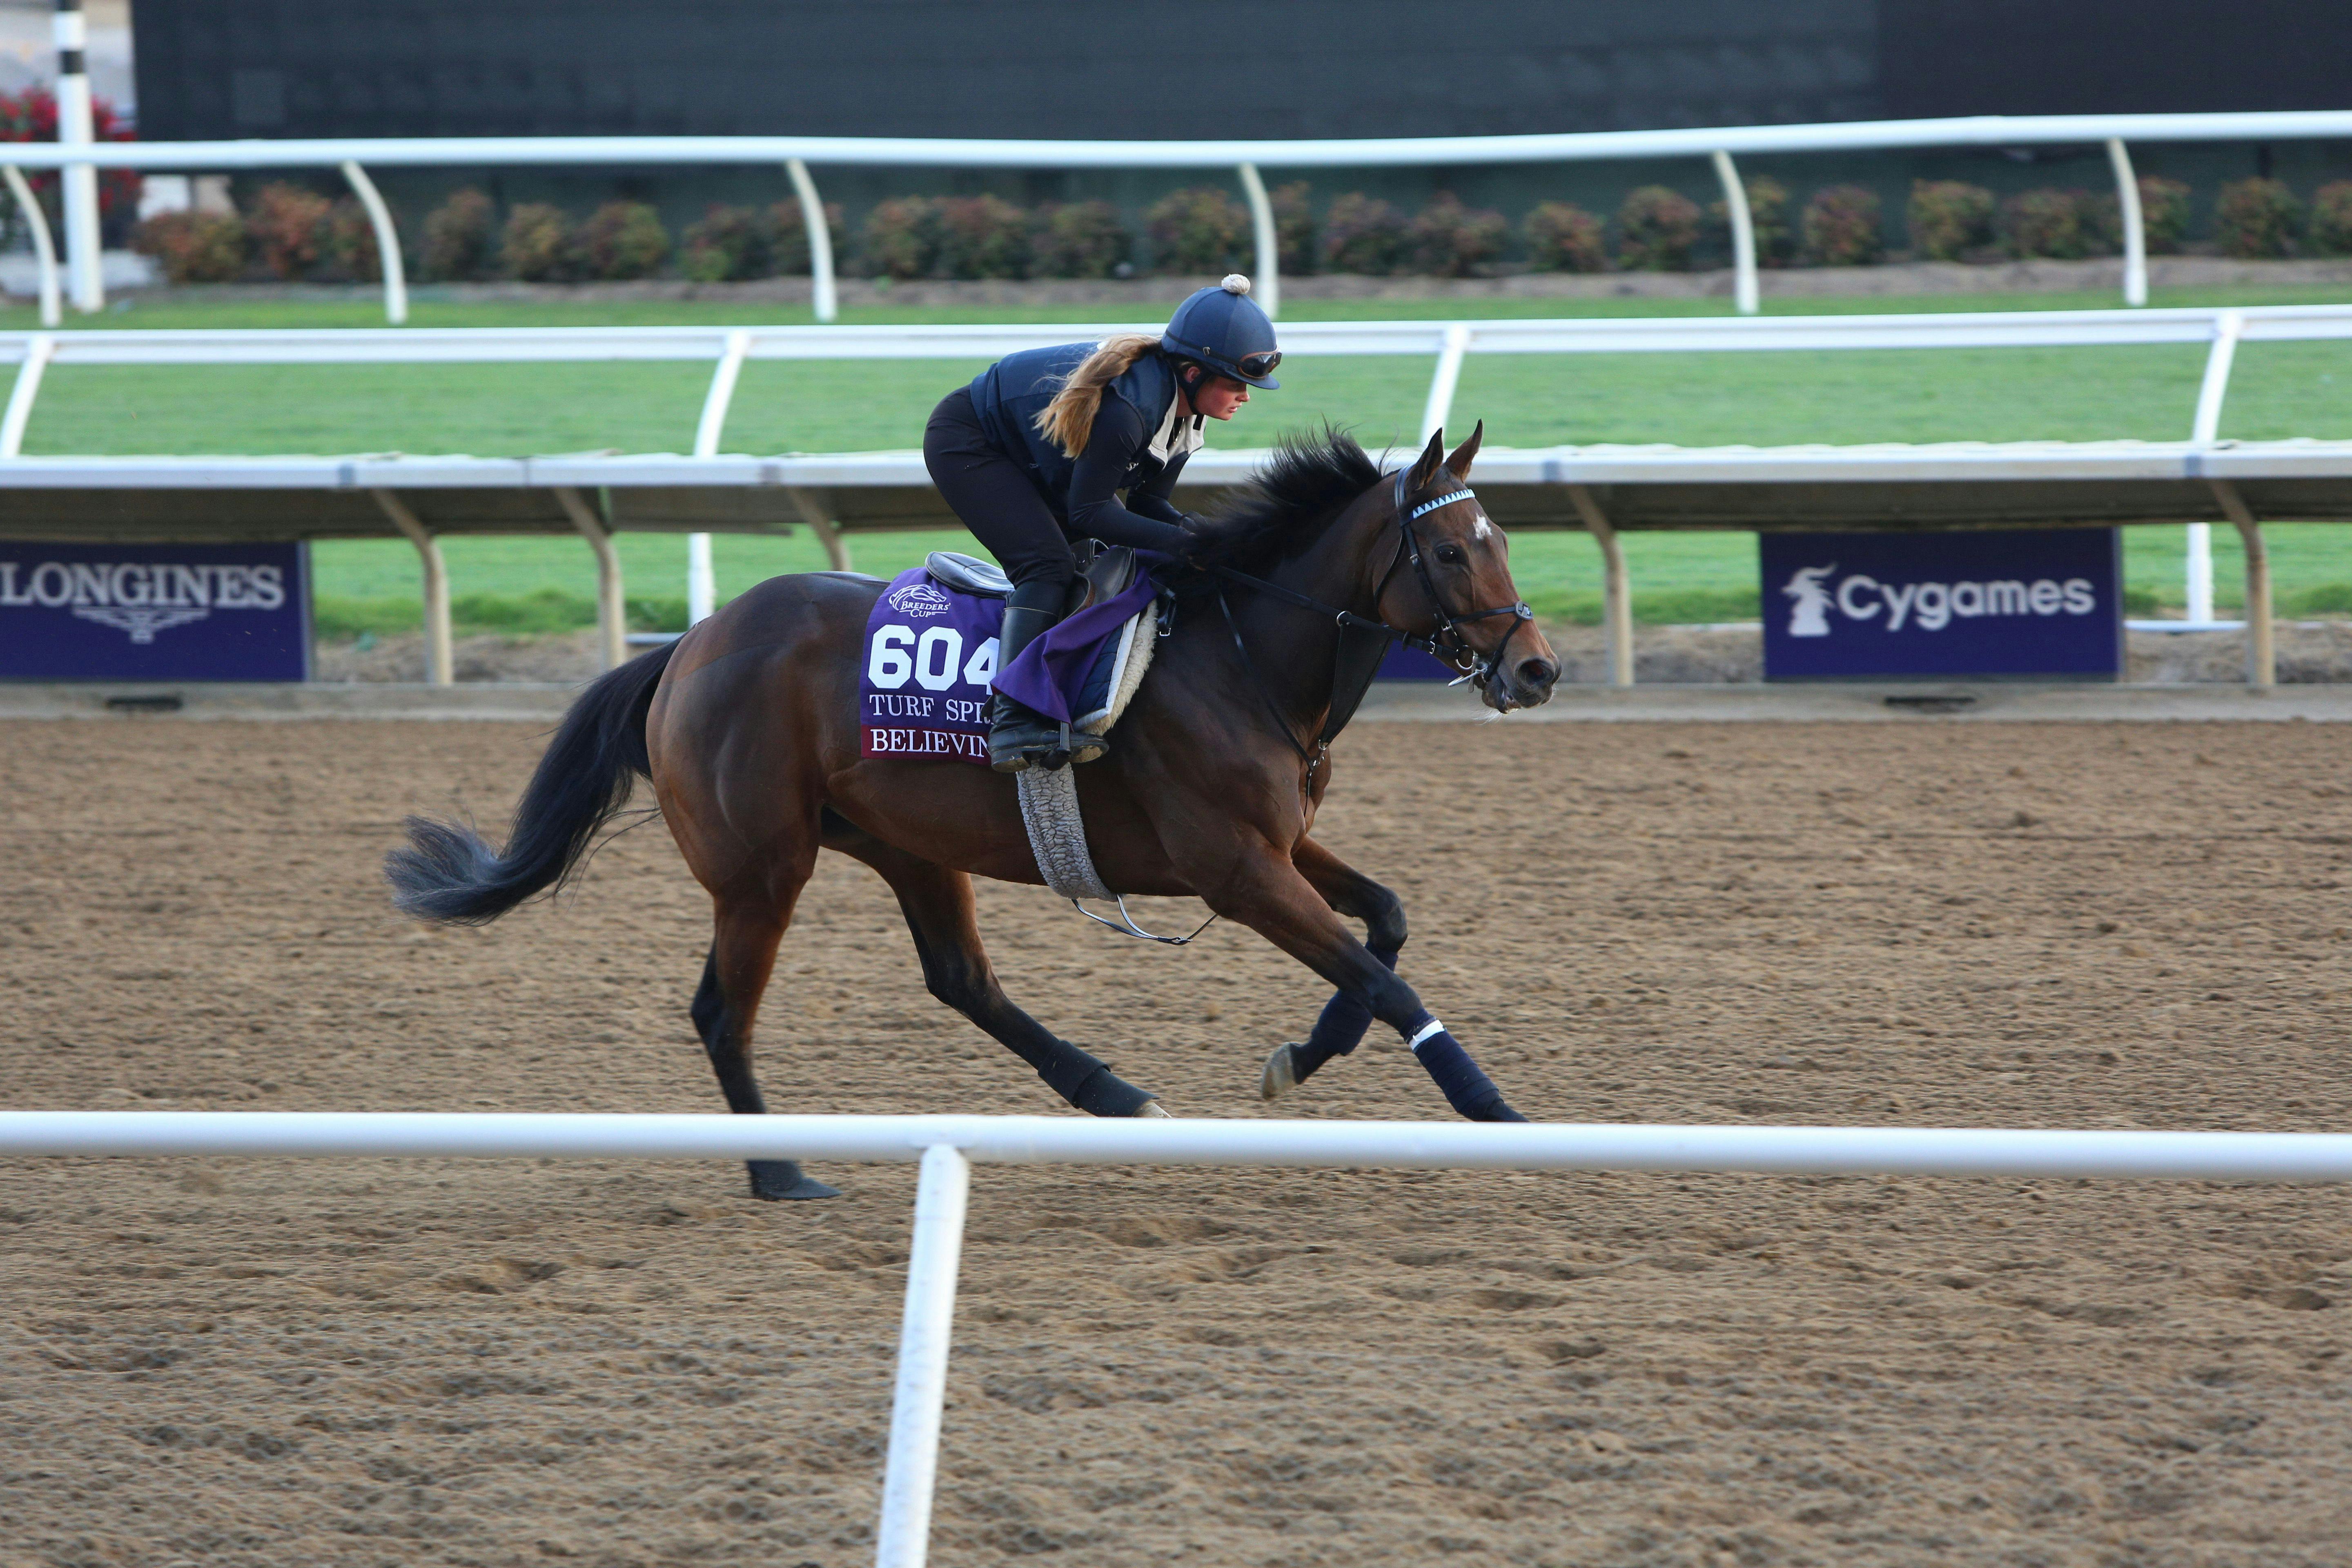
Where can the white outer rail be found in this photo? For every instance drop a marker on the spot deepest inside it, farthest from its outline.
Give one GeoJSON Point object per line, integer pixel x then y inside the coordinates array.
{"type": "Point", "coordinates": [1718, 144]}
{"type": "Point", "coordinates": [945, 1147]}
{"type": "Point", "coordinates": [1451, 341]}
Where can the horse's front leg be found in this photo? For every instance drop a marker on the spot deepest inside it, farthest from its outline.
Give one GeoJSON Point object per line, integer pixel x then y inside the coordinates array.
{"type": "Point", "coordinates": [1258, 885]}
{"type": "Point", "coordinates": [1345, 1017]}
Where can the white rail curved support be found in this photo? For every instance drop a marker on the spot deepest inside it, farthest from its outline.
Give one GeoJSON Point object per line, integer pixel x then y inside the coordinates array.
{"type": "Point", "coordinates": [44, 251]}
{"type": "Point", "coordinates": [823, 299]}
{"type": "Point", "coordinates": [38, 351]}
{"type": "Point", "coordinates": [2229, 326]}
{"type": "Point", "coordinates": [926, 1329]}
{"type": "Point", "coordinates": [701, 579]}
{"type": "Point", "coordinates": [1745, 292]}
{"type": "Point", "coordinates": [1453, 348]}
{"type": "Point", "coordinates": [733, 351]}
{"type": "Point", "coordinates": [2134, 223]}
{"type": "Point", "coordinates": [387, 243]}
{"type": "Point", "coordinates": [440, 651]}
{"type": "Point", "coordinates": [1266, 285]}
{"type": "Point", "coordinates": [612, 601]}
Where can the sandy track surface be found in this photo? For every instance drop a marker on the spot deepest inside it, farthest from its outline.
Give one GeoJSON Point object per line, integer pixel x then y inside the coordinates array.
{"type": "Point", "coordinates": [225, 1362]}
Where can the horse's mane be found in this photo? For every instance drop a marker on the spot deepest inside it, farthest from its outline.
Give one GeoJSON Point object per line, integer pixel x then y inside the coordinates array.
{"type": "Point", "coordinates": [1309, 482]}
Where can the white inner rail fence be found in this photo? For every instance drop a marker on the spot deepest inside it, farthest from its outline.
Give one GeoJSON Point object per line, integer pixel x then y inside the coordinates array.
{"type": "Point", "coordinates": [79, 156]}
{"type": "Point", "coordinates": [727, 349]}
{"type": "Point", "coordinates": [946, 1147]}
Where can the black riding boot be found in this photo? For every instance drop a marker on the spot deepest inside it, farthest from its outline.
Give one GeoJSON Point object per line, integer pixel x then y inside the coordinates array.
{"type": "Point", "coordinates": [1019, 737]}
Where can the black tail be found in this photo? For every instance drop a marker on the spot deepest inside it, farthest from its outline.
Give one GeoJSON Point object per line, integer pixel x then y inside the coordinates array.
{"type": "Point", "coordinates": [449, 876]}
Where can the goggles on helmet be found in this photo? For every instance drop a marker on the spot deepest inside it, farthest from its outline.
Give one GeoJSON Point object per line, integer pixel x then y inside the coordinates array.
{"type": "Point", "coordinates": [1259, 364]}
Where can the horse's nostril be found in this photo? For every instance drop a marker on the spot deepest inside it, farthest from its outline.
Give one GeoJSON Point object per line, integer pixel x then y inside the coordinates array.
{"type": "Point", "coordinates": [1538, 672]}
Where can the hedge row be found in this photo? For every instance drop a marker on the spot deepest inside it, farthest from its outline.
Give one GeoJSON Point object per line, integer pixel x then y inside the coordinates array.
{"type": "Point", "coordinates": [2252, 219]}
{"type": "Point", "coordinates": [293, 233]}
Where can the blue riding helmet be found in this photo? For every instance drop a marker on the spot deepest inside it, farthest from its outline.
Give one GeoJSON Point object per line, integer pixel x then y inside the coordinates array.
{"type": "Point", "coordinates": [1224, 329]}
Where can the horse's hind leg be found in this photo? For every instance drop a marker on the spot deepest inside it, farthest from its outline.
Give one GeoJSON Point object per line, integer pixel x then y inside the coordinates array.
{"type": "Point", "coordinates": [937, 904]}
{"type": "Point", "coordinates": [727, 1006]}
{"type": "Point", "coordinates": [1341, 1027]}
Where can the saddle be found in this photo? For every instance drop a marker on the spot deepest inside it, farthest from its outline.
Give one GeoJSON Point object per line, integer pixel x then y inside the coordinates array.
{"type": "Point", "coordinates": [1109, 571]}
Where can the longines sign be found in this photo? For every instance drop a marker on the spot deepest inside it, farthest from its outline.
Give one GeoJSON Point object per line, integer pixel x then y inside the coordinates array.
{"type": "Point", "coordinates": [155, 612]}
{"type": "Point", "coordinates": [1995, 601]}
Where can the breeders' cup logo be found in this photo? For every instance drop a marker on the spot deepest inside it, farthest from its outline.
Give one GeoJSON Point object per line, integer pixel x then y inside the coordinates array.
{"type": "Point", "coordinates": [1923, 606]}
{"type": "Point", "coordinates": [140, 598]}
{"type": "Point", "coordinates": [920, 600]}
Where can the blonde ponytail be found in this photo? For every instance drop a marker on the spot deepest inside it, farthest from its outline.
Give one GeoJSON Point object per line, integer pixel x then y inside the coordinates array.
{"type": "Point", "coordinates": [1069, 419]}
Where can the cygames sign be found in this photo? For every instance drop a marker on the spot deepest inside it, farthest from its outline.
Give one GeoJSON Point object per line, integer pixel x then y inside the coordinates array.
{"type": "Point", "coordinates": [2003, 602]}
{"type": "Point", "coordinates": [155, 612]}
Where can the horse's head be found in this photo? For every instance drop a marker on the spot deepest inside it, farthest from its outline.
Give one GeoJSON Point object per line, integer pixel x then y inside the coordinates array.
{"type": "Point", "coordinates": [1451, 577]}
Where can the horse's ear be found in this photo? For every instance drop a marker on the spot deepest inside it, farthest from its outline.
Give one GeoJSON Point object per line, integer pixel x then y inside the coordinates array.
{"type": "Point", "coordinates": [1466, 453]}
{"type": "Point", "coordinates": [1425, 467]}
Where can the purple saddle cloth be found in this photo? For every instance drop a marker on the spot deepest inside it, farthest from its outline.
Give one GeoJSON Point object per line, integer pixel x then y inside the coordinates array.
{"type": "Point", "coordinates": [930, 662]}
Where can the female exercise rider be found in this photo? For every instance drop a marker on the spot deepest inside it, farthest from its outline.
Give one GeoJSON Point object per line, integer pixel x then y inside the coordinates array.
{"type": "Point", "coordinates": [1036, 451]}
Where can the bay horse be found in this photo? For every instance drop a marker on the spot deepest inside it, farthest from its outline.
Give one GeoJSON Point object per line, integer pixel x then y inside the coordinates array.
{"type": "Point", "coordinates": [749, 728]}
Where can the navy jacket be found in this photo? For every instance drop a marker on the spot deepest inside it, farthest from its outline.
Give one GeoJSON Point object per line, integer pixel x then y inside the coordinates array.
{"type": "Point", "coordinates": [1083, 492]}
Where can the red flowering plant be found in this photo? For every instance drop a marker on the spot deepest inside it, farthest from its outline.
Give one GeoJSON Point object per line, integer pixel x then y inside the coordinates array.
{"type": "Point", "coordinates": [32, 116]}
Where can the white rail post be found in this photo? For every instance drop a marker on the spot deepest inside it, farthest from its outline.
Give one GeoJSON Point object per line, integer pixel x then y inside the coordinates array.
{"type": "Point", "coordinates": [612, 606]}
{"type": "Point", "coordinates": [1450, 352]}
{"type": "Point", "coordinates": [86, 284]}
{"type": "Point", "coordinates": [39, 349]}
{"type": "Point", "coordinates": [1744, 291]}
{"type": "Point", "coordinates": [1616, 586]}
{"type": "Point", "coordinates": [2262, 654]}
{"type": "Point", "coordinates": [387, 243]}
{"type": "Point", "coordinates": [2227, 328]}
{"type": "Point", "coordinates": [440, 656]}
{"type": "Point", "coordinates": [1266, 286]}
{"type": "Point", "coordinates": [44, 251]}
{"type": "Point", "coordinates": [701, 582]}
{"type": "Point", "coordinates": [2135, 225]}
{"type": "Point", "coordinates": [904, 1537]}
{"type": "Point", "coordinates": [822, 297]}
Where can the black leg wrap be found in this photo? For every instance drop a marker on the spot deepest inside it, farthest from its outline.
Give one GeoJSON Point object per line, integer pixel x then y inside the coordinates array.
{"type": "Point", "coordinates": [1103, 1093]}
{"type": "Point", "coordinates": [1339, 1029]}
{"type": "Point", "coordinates": [1089, 1084]}
{"type": "Point", "coordinates": [1468, 1088]}
{"type": "Point", "coordinates": [784, 1179]}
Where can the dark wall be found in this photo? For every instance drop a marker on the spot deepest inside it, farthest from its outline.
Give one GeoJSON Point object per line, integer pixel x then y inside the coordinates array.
{"type": "Point", "coordinates": [2112, 57]}
{"type": "Point", "coordinates": [1076, 68]}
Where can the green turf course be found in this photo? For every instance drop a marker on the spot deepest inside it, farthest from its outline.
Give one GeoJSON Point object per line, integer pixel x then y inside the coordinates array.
{"type": "Point", "coordinates": [2278, 390]}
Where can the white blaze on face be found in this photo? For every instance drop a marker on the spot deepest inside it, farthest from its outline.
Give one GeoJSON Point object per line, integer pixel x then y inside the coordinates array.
{"type": "Point", "coordinates": [1482, 529]}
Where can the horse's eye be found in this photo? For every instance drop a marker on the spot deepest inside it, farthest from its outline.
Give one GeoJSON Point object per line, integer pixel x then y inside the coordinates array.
{"type": "Point", "coordinates": [1450, 553]}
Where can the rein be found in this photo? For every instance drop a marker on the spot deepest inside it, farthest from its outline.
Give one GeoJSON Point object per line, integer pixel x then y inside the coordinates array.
{"type": "Point", "coordinates": [1447, 644]}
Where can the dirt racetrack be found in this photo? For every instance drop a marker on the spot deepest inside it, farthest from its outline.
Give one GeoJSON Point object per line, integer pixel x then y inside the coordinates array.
{"type": "Point", "coordinates": [1929, 923]}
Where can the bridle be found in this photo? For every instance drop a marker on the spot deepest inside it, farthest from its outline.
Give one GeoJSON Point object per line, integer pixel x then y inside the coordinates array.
{"type": "Point", "coordinates": [1446, 643]}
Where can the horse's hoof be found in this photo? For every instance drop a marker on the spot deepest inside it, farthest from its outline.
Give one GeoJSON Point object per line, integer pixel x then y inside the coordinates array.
{"type": "Point", "coordinates": [1152, 1108]}
{"type": "Point", "coordinates": [782, 1180]}
{"type": "Point", "coordinates": [1281, 1074]}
